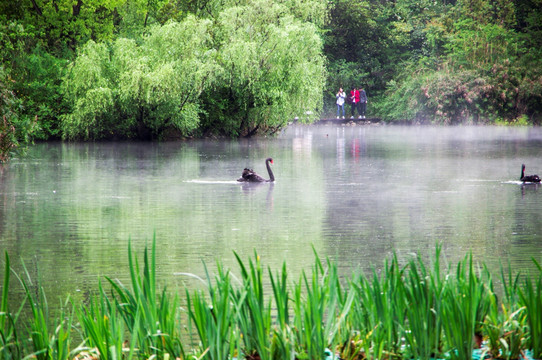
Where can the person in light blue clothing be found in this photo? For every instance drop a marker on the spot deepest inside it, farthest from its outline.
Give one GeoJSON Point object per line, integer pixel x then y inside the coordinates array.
{"type": "Point", "coordinates": [340, 102]}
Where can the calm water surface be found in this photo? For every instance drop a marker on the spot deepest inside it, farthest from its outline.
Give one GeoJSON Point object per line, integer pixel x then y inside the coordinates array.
{"type": "Point", "coordinates": [354, 194]}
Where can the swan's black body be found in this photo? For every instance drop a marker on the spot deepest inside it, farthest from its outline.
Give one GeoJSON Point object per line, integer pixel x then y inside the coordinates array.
{"type": "Point", "coordinates": [249, 175]}
{"type": "Point", "coordinates": [528, 178]}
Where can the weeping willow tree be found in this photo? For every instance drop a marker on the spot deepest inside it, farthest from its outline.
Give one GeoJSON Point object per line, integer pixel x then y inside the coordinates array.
{"type": "Point", "coordinates": [272, 70]}
{"type": "Point", "coordinates": [129, 90]}
{"type": "Point", "coordinates": [247, 69]}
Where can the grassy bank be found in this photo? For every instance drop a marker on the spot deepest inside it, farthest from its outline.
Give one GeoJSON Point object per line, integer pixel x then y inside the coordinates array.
{"type": "Point", "coordinates": [412, 311]}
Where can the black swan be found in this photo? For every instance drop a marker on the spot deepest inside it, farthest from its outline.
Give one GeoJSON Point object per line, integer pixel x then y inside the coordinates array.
{"type": "Point", "coordinates": [249, 175]}
{"type": "Point", "coordinates": [528, 178]}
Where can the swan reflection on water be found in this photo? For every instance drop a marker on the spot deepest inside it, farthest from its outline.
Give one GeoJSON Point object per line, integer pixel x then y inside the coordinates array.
{"type": "Point", "coordinates": [251, 188]}
{"type": "Point", "coordinates": [527, 187]}
{"type": "Point", "coordinates": [255, 186]}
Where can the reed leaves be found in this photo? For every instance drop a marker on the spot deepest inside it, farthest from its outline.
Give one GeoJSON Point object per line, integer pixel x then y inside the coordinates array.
{"type": "Point", "coordinates": [423, 293]}
{"type": "Point", "coordinates": [214, 317]}
{"type": "Point", "coordinates": [410, 311]}
{"type": "Point", "coordinates": [151, 319]}
{"type": "Point", "coordinates": [10, 346]}
{"type": "Point", "coordinates": [531, 298]}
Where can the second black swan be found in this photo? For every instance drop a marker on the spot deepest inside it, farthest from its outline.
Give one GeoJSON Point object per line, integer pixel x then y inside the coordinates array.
{"type": "Point", "coordinates": [528, 178]}
{"type": "Point", "coordinates": [249, 175]}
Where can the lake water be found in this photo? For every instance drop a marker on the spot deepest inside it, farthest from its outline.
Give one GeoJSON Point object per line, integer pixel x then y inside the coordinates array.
{"type": "Point", "coordinates": [353, 194]}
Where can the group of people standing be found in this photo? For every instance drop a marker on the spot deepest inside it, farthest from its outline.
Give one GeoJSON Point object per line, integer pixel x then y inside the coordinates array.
{"type": "Point", "coordinates": [357, 99]}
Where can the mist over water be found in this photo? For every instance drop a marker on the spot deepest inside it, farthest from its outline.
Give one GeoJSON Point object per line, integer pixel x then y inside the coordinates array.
{"type": "Point", "coordinates": [354, 194]}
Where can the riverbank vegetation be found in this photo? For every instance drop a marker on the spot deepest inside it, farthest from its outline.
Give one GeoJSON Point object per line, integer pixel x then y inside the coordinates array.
{"type": "Point", "coordinates": [160, 69]}
{"type": "Point", "coordinates": [411, 311]}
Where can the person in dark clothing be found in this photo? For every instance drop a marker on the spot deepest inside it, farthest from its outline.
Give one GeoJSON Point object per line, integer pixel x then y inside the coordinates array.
{"type": "Point", "coordinates": [362, 103]}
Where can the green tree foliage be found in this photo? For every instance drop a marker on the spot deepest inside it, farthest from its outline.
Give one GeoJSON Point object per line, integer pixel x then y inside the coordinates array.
{"type": "Point", "coordinates": [272, 70]}
{"type": "Point", "coordinates": [351, 45]}
{"type": "Point", "coordinates": [482, 69]}
{"type": "Point", "coordinates": [136, 16]}
{"type": "Point", "coordinates": [158, 68]}
{"type": "Point", "coordinates": [368, 42]}
{"type": "Point", "coordinates": [15, 132]}
{"type": "Point", "coordinates": [128, 90]}
{"type": "Point", "coordinates": [36, 38]}
{"type": "Point", "coordinates": [64, 24]}
{"type": "Point", "coordinates": [39, 75]}
{"type": "Point", "coordinates": [439, 61]}
{"type": "Point", "coordinates": [314, 11]}
{"type": "Point", "coordinates": [8, 140]}
{"type": "Point", "coordinates": [34, 76]}
{"type": "Point", "coordinates": [252, 70]}
{"type": "Point", "coordinates": [149, 69]}
{"type": "Point", "coordinates": [89, 88]}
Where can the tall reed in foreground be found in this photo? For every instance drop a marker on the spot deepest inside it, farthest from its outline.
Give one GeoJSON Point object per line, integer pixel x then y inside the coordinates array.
{"type": "Point", "coordinates": [214, 317]}
{"type": "Point", "coordinates": [10, 347]}
{"type": "Point", "coordinates": [47, 343]}
{"type": "Point", "coordinates": [399, 312]}
{"type": "Point", "coordinates": [465, 304]}
{"type": "Point", "coordinates": [282, 343]}
{"type": "Point", "coordinates": [379, 310]}
{"type": "Point", "coordinates": [103, 328]}
{"type": "Point", "coordinates": [504, 325]}
{"type": "Point", "coordinates": [152, 319]}
{"type": "Point", "coordinates": [531, 298]}
{"type": "Point", "coordinates": [316, 320]}
{"type": "Point", "coordinates": [505, 332]}
{"type": "Point", "coordinates": [253, 312]}
{"type": "Point", "coordinates": [424, 292]}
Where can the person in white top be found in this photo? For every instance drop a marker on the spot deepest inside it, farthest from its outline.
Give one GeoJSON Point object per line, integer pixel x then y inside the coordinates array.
{"type": "Point", "coordinates": [340, 102]}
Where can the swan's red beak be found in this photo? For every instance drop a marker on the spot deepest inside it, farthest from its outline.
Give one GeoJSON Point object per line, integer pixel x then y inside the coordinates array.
{"type": "Point", "coordinates": [271, 161]}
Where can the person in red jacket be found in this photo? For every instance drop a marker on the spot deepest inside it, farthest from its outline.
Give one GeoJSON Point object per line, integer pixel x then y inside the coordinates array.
{"type": "Point", "coordinates": [354, 95]}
